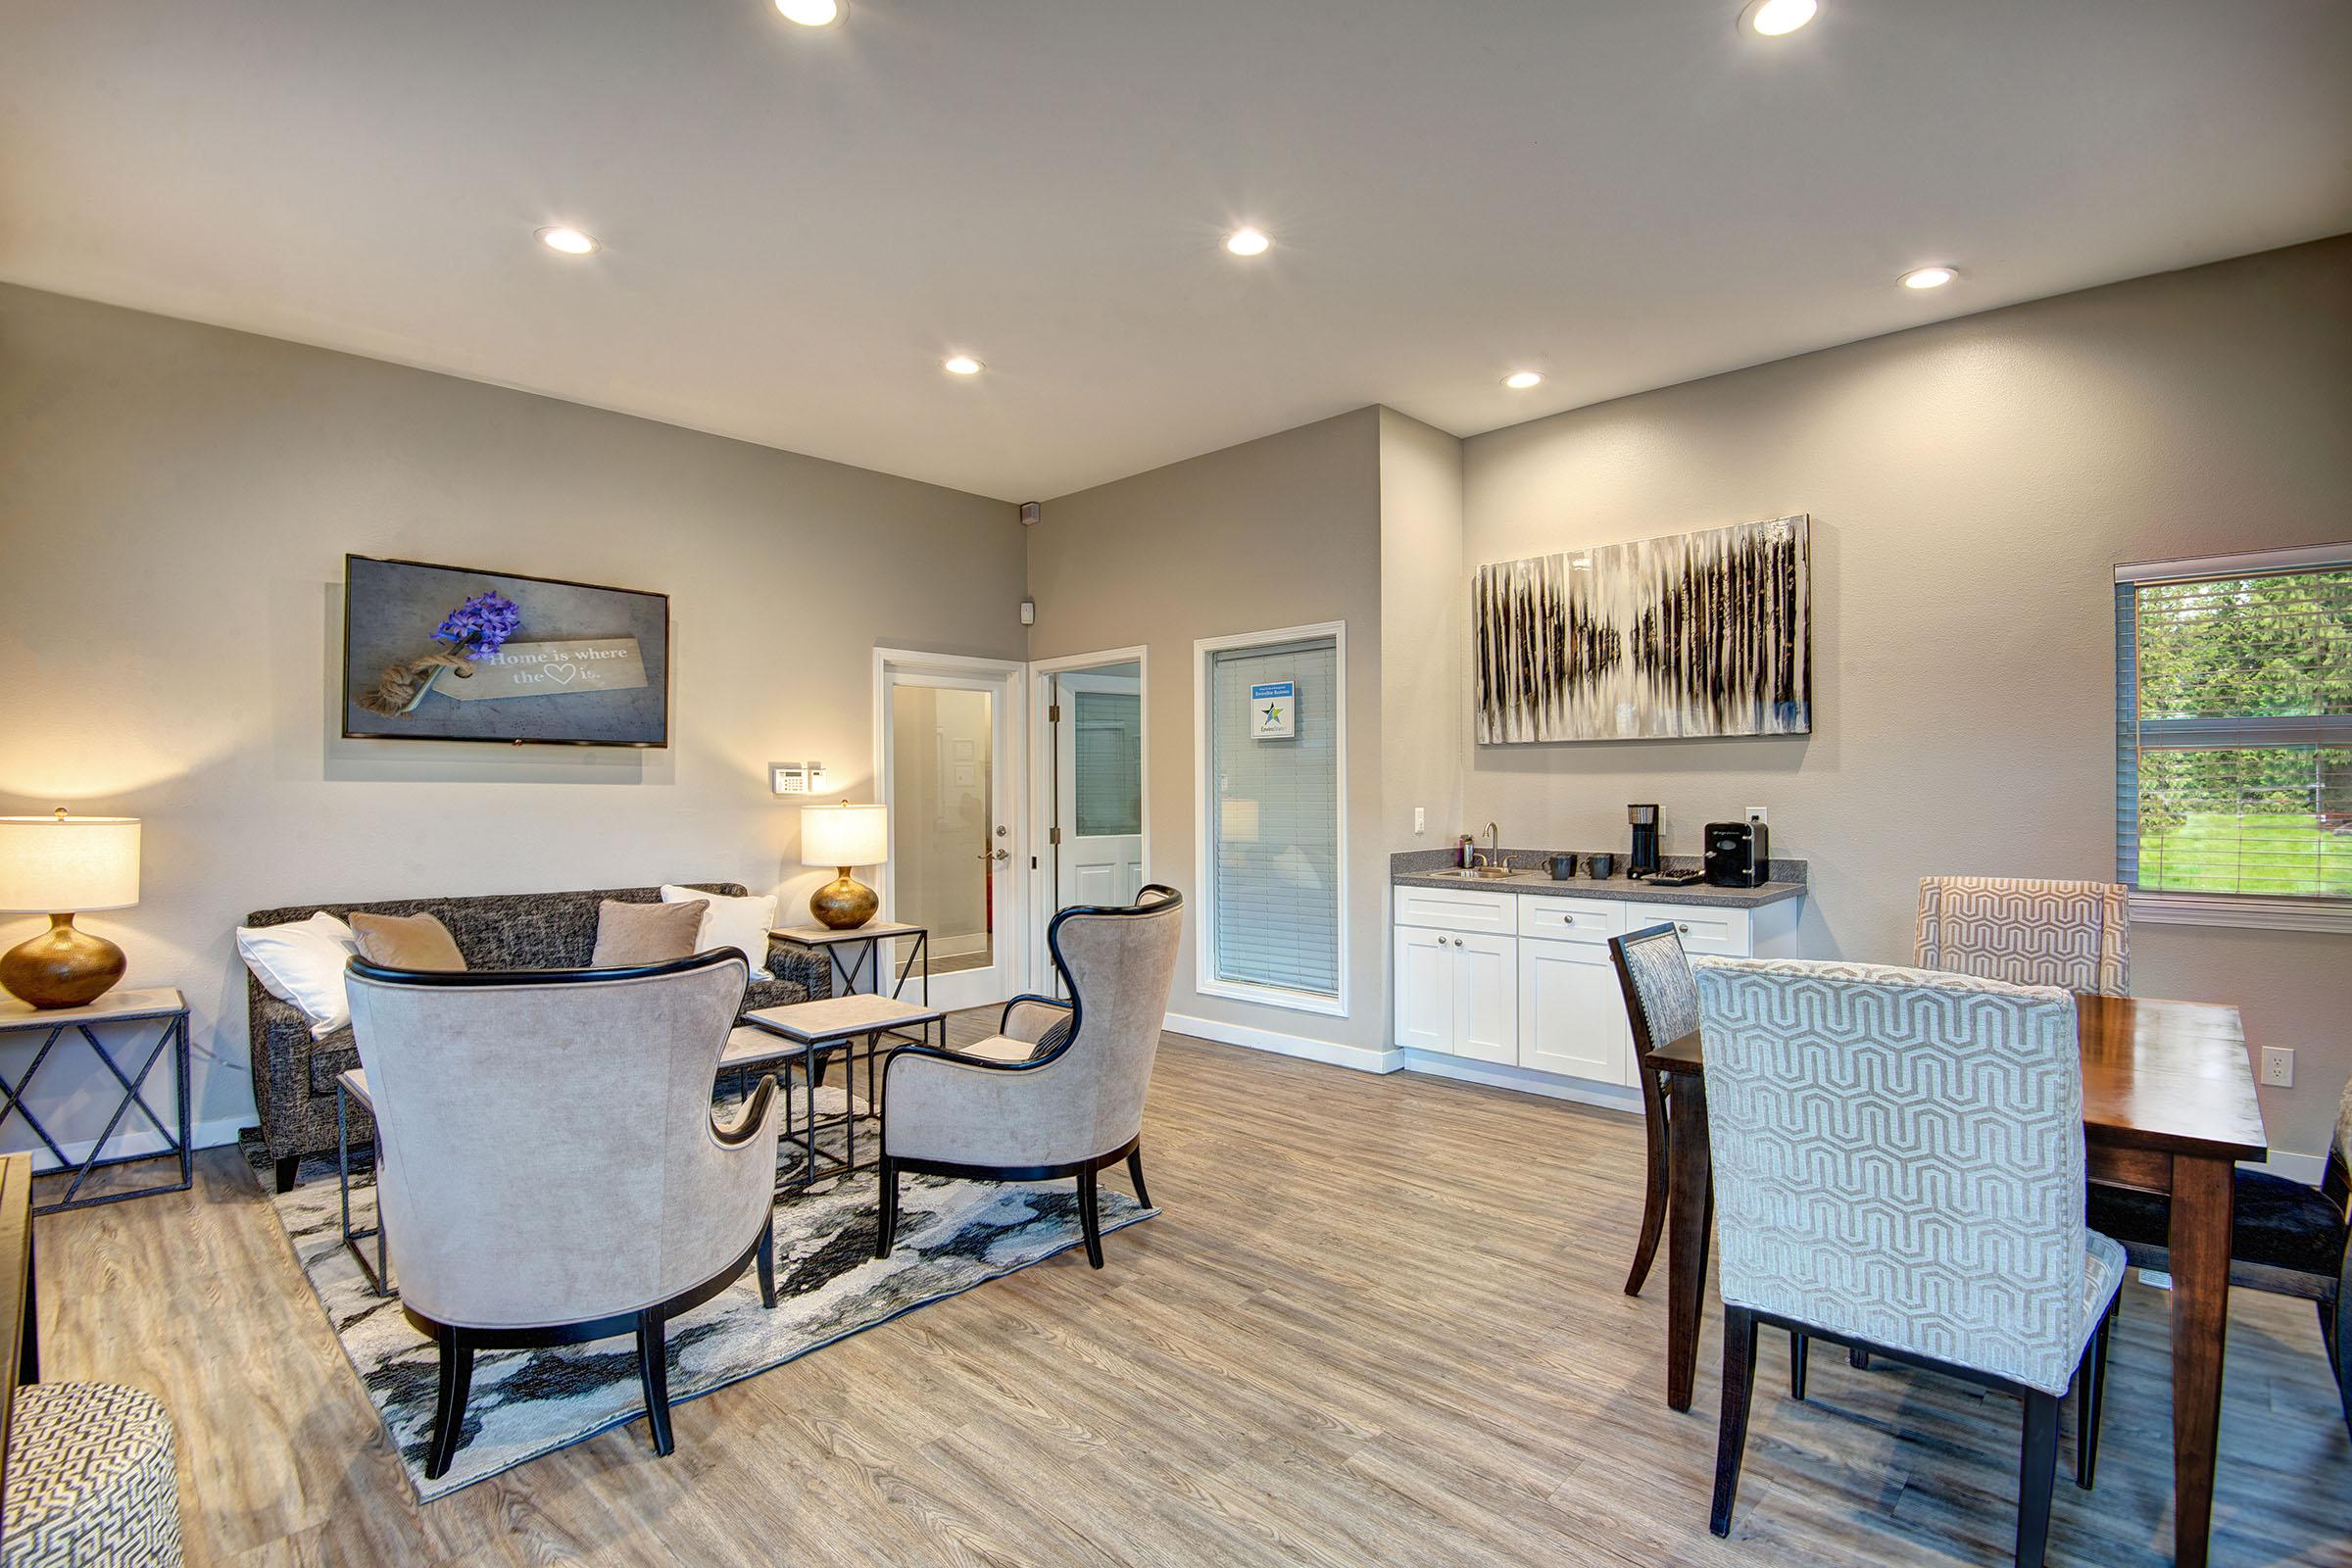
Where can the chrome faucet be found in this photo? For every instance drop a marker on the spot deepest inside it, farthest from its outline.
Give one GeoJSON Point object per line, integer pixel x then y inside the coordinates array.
{"type": "Point", "coordinates": [1494, 848]}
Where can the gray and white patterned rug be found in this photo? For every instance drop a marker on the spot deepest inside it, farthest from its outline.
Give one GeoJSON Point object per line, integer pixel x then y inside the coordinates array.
{"type": "Point", "coordinates": [953, 1235]}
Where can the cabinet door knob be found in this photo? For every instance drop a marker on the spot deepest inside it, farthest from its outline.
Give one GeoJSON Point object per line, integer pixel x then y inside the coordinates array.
{"type": "Point", "coordinates": [1684, 929]}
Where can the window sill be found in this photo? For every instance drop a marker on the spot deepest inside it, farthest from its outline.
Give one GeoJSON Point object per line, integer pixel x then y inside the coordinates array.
{"type": "Point", "coordinates": [2242, 909]}
{"type": "Point", "coordinates": [1272, 997]}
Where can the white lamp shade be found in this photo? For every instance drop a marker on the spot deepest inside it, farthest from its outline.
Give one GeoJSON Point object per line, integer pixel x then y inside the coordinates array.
{"type": "Point", "coordinates": [53, 865]}
{"type": "Point", "coordinates": [845, 835]}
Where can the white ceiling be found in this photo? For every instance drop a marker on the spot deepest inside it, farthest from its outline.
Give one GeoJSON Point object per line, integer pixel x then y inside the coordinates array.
{"type": "Point", "coordinates": [1620, 193]}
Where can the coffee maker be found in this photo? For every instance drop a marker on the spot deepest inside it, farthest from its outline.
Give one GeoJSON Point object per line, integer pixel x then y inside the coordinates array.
{"type": "Point", "coordinates": [1644, 860]}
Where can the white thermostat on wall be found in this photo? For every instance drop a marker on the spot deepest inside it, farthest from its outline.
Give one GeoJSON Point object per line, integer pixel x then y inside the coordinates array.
{"type": "Point", "coordinates": [1274, 710]}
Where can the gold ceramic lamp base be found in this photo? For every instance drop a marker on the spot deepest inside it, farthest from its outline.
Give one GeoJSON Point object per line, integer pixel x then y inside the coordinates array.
{"type": "Point", "coordinates": [844, 904]}
{"type": "Point", "coordinates": [63, 967]}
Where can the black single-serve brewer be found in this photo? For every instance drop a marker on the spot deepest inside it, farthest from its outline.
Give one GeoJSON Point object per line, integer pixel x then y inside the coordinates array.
{"type": "Point", "coordinates": [1644, 860]}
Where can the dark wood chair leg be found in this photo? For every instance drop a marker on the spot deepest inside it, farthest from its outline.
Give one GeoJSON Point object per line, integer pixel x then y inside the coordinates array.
{"type": "Point", "coordinates": [1090, 1217]}
{"type": "Point", "coordinates": [286, 1172]}
{"type": "Point", "coordinates": [2090, 1396]}
{"type": "Point", "coordinates": [1731, 1438]}
{"type": "Point", "coordinates": [1653, 1189]}
{"type": "Point", "coordinates": [2037, 1477]}
{"type": "Point", "coordinates": [449, 1404]}
{"type": "Point", "coordinates": [1135, 1175]}
{"type": "Point", "coordinates": [652, 1371]}
{"type": "Point", "coordinates": [1801, 1346]}
{"type": "Point", "coordinates": [886, 1228]}
{"type": "Point", "coordinates": [768, 1263]}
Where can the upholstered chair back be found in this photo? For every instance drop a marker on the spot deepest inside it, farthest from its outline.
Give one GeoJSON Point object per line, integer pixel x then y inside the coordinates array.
{"type": "Point", "coordinates": [1898, 1157]}
{"type": "Point", "coordinates": [2075, 935]}
{"type": "Point", "coordinates": [1661, 992]}
{"type": "Point", "coordinates": [545, 1142]}
{"type": "Point", "coordinates": [1121, 965]}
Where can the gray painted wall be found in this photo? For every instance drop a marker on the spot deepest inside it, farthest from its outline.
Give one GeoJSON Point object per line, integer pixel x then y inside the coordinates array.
{"type": "Point", "coordinates": [1972, 487]}
{"type": "Point", "coordinates": [1282, 531]}
{"type": "Point", "coordinates": [176, 500]}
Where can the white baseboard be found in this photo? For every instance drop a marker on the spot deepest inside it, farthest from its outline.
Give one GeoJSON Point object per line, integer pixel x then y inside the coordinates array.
{"type": "Point", "coordinates": [144, 1140]}
{"type": "Point", "coordinates": [1505, 1075]}
{"type": "Point", "coordinates": [1360, 1058]}
{"type": "Point", "coordinates": [2305, 1168]}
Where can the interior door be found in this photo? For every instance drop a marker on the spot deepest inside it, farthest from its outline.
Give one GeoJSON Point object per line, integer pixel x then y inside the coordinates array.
{"type": "Point", "coordinates": [945, 744]}
{"type": "Point", "coordinates": [1096, 838]}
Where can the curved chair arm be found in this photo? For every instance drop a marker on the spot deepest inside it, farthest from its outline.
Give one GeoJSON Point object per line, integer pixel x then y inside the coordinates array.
{"type": "Point", "coordinates": [1027, 1018]}
{"type": "Point", "coordinates": [755, 1109]}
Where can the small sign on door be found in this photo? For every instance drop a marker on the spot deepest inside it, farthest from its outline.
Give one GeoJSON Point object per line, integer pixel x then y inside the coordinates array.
{"type": "Point", "coordinates": [1274, 711]}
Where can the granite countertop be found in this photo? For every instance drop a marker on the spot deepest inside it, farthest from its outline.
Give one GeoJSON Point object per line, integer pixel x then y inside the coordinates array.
{"type": "Point", "coordinates": [1413, 868]}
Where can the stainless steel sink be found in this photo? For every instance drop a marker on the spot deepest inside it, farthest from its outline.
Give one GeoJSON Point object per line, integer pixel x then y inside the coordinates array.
{"type": "Point", "coordinates": [1476, 873]}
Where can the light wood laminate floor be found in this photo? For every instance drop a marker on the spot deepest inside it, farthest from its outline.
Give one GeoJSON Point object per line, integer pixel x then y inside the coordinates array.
{"type": "Point", "coordinates": [1379, 1323]}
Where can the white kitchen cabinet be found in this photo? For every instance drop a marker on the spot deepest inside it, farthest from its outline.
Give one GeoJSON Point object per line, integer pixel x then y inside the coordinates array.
{"type": "Point", "coordinates": [1572, 1012]}
{"type": "Point", "coordinates": [1457, 993]}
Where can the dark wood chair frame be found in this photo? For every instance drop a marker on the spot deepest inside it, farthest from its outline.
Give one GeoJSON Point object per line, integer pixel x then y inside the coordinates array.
{"type": "Point", "coordinates": [1090, 1214]}
{"type": "Point", "coordinates": [1654, 1118]}
{"type": "Point", "coordinates": [458, 1343]}
{"type": "Point", "coordinates": [2037, 1449]}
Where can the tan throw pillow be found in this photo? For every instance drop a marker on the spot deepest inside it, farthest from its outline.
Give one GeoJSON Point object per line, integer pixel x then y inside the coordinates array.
{"type": "Point", "coordinates": [645, 933]}
{"type": "Point", "coordinates": [406, 940]}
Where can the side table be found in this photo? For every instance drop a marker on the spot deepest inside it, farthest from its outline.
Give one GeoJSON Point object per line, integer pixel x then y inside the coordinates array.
{"type": "Point", "coordinates": [813, 1029]}
{"type": "Point", "coordinates": [866, 960]}
{"type": "Point", "coordinates": [161, 1006]}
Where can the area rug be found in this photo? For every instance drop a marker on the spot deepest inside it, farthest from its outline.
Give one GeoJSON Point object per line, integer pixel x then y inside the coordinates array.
{"type": "Point", "coordinates": [953, 1235]}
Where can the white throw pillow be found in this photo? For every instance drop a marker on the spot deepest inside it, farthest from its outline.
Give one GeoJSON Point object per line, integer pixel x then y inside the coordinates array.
{"type": "Point", "coordinates": [302, 962]}
{"type": "Point", "coordinates": [739, 923]}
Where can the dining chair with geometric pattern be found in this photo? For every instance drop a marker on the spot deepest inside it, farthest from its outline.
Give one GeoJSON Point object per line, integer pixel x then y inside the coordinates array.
{"type": "Point", "coordinates": [1898, 1168]}
{"type": "Point", "coordinates": [2072, 935]}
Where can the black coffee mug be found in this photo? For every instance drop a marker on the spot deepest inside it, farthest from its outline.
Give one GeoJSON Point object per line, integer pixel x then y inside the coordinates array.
{"type": "Point", "coordinates": [1600, 867]}
{"type": "Point", "coordinates": [1563, 866]}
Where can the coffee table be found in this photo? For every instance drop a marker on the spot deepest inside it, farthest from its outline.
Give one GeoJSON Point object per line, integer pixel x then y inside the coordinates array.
{"type": "Point", "coordinates": [811, 1031]}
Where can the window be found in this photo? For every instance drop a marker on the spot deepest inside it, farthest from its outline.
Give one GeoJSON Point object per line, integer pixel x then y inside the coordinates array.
{"type": "Point", "coordinates": [1107, 758]}
{"type": "Point", "coordinates": [2233, 738]}
{"type": "Point", "coordinates": [1272, 825]}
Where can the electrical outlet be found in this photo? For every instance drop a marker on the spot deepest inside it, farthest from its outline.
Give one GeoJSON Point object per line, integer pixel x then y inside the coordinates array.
{"type": "Point", "coordinates": [1756, 814]}
{"type": "Point", "coordinates": [1420, 820]}
{"type": "Point", "coordinates": [2278, 1066]}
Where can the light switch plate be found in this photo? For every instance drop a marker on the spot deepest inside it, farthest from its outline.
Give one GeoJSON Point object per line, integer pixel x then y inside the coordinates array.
{"type": "Point", "coordinates": [2278, 1066]}
{"type": "Point", "coordinates": [1420, 819]}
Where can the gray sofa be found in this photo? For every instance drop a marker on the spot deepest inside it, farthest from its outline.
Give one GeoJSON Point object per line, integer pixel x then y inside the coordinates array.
{"type": "Point", "coordinates": [294, 1075]}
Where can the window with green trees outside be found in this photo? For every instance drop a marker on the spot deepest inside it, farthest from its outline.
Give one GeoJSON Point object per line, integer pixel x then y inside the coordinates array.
{"type": "Point", "coordinates": [2234, 726]}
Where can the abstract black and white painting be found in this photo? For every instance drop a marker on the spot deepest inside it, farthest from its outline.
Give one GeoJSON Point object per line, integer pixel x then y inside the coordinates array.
{"type": "Point", "coordinates": [1706, 633]}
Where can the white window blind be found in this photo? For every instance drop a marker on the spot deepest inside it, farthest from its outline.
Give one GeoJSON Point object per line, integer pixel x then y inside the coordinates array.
{"type": "Point", "coordinates": [1273, 823]}
{"type": "Point", "coordinates": [2234, 727]}
{"type": "Point", "coordinates": [1107, 755]}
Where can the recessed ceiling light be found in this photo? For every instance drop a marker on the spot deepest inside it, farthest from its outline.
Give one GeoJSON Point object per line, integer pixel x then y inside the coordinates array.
{"type": "Point", "coordinates": [1247, 242]}
{"type": "Point", "coordinates": [960, 365]}
{"type": "Point", "coordinates": [811, 13]}
{"type": "Point", "coordinates": [1929, 276]}
{"type": "Point", "coordinates": [1777, 19]}
{"type": "Point", "coordinates": [570, 241]}
{"type": "Point", "coordinates": [1521, 380]}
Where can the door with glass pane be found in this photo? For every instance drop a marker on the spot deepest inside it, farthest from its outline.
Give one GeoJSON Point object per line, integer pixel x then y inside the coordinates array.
{"type": "Point", "coordinates": [951, 850]}
{"type": "Point", "coordinates": [1096, 838]}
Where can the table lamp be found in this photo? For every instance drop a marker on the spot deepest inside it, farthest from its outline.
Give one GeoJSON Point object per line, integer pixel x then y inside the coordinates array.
{"type": "Point", "coordinates": [843, 836]}
{"type": "Point", "coordinates": [59, 866]}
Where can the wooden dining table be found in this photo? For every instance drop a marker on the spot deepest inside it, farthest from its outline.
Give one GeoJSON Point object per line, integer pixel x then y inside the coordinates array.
{"type": "Point", "coordinates": [2168, 1107]}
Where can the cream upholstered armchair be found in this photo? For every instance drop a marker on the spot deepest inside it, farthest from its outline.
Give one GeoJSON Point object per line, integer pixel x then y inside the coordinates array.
{"type": "Point", "coordinates": [1899, 1170]}
{"type": "Point", "coordinates": [1059, 1091]}
{"type": "Point", "coordinates": [2073, 935]}
{"type": "Point", "coordinates": [549, 1172]}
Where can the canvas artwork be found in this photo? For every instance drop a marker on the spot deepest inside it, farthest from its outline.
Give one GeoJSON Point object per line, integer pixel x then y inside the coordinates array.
{"type": "Point", "coordinates": [1706, 633]}
{"type": "Point", "coordinates": [442, 653]}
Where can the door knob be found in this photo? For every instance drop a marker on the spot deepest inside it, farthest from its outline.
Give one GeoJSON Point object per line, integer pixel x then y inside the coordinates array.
{"type": "Point", "coordinates": [1001, 855]}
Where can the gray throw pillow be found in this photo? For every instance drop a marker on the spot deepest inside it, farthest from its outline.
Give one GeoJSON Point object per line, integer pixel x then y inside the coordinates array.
{"type": "Point", "coordinates": [406, 940]}
{"type": "Point", "coordinates": [645, 933]}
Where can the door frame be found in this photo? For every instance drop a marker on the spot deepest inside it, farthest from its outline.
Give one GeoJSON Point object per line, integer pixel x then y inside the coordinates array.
{"type": "Point", "coordinates": [1042, 891]}
{"type": "Point", "coordinates": [1006, 677]}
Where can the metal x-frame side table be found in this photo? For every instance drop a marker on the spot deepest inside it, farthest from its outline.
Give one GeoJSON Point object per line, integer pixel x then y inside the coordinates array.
{"type": "Point", "coordinates": [162, 1006]}
{"type": "Point", "coordinates": [866, 954]}
{"type": "Point", "coordinates": [812, 1031]}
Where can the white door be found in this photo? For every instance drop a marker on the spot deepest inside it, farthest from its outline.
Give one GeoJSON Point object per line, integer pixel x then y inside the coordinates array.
{"type": "Point", "coordinates": [1424, 989]}
{"type": "Point", "coordinates": [1572, 1012]}
{"type": "Point", "coordinates": [1486, 998]}
{"type": "Point", "coordinates": [1096, 839]}
{"type": "Point", "coordinates": [950, 771]}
